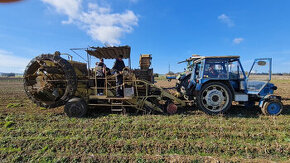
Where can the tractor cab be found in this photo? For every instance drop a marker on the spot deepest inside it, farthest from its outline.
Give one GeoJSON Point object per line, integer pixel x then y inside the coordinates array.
{"type": "Point", "coordinates": [226, 69]}
{"type": "Point", "coordinates": [216, 81]}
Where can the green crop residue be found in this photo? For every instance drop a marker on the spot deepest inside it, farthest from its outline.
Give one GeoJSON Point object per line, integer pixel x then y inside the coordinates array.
{"type": "Point", "coordinates": [14, 105]}
{"type": "Point", "coordinates": [9, 124]}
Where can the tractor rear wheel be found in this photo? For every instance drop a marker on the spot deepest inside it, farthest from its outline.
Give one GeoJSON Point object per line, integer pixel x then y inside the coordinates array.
{"type": "Point", "coordinates": [214, 98]}
{"type": "Point", "coordinates": [272, 107]}
{"type": "Point", "coordinates": [76, 107]}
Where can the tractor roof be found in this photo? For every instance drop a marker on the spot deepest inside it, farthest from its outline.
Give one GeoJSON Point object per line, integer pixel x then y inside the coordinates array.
{"type": "Point", "coordinates": [216, 57]}
{"type": "Point", "coordinates": [194, 57]}
{"type": "Point", "coordinates": [197, 58]}
{"type": "Point", "coordinates": [110, 52]}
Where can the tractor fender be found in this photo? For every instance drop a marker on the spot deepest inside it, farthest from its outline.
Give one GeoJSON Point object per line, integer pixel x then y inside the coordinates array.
{"type": "Point", "coordinates": [271, 96]}
{"type": "Point", "coordinates": [75, 99]}
{"type": "Point", "coordinates": [267, 98]}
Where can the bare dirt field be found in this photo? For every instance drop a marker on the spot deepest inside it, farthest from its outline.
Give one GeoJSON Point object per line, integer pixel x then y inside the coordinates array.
{"type": "Point", "coordinates": [30, 133]}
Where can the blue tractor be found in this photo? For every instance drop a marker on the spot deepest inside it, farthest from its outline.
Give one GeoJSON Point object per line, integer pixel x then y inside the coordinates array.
{"type": "Point", "coordinates": [215, 82]}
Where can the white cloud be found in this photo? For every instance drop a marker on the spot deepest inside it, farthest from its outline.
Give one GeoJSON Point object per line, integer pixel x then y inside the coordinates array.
{"type": "Point", "coordinates": [71, 8]}
{"type": "Point", "coordinates": [99, 22]}
{"type": "Point", "coordinates": [11, 63]}
{"type": "Point", "coordinates": [238, 40]}
{"type": "Point", "coordinates": [226, 19]}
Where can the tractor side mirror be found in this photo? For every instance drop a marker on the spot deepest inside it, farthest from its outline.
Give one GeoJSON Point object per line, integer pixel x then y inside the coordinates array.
{"type": "Point", "coordinates": [262, 63]}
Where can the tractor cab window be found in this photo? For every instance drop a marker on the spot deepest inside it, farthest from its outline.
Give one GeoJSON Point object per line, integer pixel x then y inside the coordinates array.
{"type": "Point", "coordinates": [261, 70]}
{"type": "Point", "coordinates": [235, 71]}
{"type": "Point", "coordinates": [259, 75]}
{"type": "Point", "coordinates": [215, 69]}
{"type": "Point", "coordinates": [197, 70]}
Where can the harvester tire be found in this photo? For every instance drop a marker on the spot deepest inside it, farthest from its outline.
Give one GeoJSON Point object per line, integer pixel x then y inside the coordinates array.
{"type": "Point", "coordinates": [69, 73]}
{"type": "Point", "coordinates": [272, 107]}
{"type": "Point", "coordinates": [214, 98]}
{"type": "Point", "coordinates": [76, 107]}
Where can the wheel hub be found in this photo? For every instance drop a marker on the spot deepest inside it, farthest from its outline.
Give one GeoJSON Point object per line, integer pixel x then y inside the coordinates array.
{"type": "Point", "coordinates": [214, 98]}
{"type": "Point", "coordinates": [76, 109]}
{"type": "Point", "coordinates": [273, 108]}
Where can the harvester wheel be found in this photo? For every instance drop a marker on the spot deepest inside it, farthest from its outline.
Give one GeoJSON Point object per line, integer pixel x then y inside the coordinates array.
{"type": "Point", "coordinates": [272, 107]}
{"type": "Point", "coordinates": [76, 107]}
{"type": "Point", "coordinates": [214, 98]}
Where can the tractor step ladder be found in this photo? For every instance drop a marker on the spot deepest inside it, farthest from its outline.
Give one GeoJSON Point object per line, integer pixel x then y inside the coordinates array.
{"type": "Point", "coordinates": [117, 106]}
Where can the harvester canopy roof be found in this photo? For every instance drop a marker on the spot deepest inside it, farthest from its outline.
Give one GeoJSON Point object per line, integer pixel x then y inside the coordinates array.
{"type": "Point", "coordinates": [110, 52]}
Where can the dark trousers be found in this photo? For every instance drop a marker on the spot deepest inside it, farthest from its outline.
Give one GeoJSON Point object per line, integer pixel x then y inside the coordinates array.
{"type": "Point", "coordinates": [101, 83]}
{"type": "Point", "coordinates": [119, 82]}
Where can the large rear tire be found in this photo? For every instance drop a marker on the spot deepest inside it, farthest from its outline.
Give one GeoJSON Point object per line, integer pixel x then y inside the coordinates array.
{"type": "Point", "coordinates": [214, 98]}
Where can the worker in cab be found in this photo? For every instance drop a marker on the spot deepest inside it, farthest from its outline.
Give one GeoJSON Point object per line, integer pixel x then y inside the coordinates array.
{"type": "Point", "coordinates": [100, 75]}
{"type": "Point", "coordinates": [118, 67]}
{"type": "Point", "coordinates": [212, 72]}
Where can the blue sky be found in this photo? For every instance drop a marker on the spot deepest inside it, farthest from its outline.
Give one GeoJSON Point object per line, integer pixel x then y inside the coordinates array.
{"type": "Point", "coordinates": [170, 30]}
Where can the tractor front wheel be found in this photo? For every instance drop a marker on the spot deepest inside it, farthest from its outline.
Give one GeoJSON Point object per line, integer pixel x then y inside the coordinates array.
{"type": "Point", "coordinates": [214, 98]}
{"type": "Point", "coordinates": [272, 107]}
{"type": "Point", "coordinates": [76, 107]}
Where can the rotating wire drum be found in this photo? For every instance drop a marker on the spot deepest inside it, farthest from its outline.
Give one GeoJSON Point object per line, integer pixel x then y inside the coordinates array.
{"type": "Point", "coordinates": [50, 81]}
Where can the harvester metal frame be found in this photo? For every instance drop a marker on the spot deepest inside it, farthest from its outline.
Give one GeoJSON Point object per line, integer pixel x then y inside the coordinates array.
{"type": "Point", "coordinates": [51, 81]}
{"type": "Point", "coordinates": [141, 89]}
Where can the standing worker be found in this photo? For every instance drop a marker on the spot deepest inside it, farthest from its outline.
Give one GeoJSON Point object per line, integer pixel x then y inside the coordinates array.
{"type": "Point", "coordinates": [118, 68]}
{"type": "Point", "coordinates": [100, 73]}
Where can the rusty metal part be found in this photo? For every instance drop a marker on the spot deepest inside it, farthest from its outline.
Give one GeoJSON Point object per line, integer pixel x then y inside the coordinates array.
{"type": "Point", "coordinates": [49, 80]}
{"type": "Point", "coordinates": [171, 108]}
{"type": "Point", "coordinates": [145, 61]}
{"type": "Point", "coordinates": [110, 52]}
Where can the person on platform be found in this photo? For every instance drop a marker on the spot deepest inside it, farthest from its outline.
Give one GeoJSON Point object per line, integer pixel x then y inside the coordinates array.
{"type": "Point", "coordinates": [100, 74]}
{"type": "Point", "coordinates": [118, 67]}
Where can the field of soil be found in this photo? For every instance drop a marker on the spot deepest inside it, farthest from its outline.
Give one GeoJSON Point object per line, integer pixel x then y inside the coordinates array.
{"type": "Point", "coordinates": [30, 133]}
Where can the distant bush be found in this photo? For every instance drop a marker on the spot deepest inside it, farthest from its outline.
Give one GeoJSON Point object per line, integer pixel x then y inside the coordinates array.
{"type": "Point", "coordinates": [156, 75]}
{"type": "Point", "coordinates": [8, 74]}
